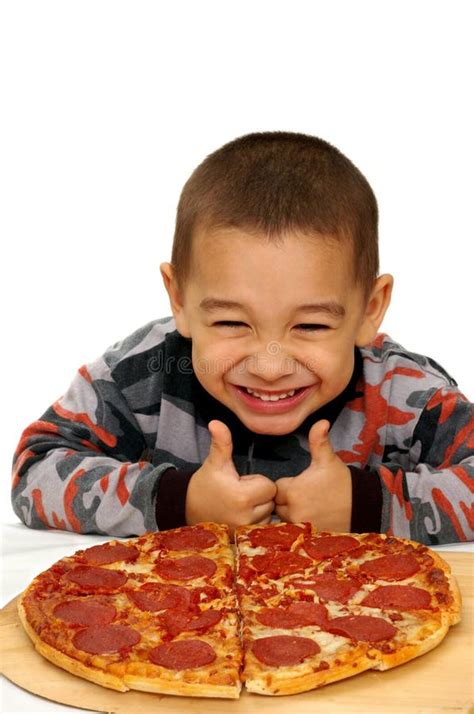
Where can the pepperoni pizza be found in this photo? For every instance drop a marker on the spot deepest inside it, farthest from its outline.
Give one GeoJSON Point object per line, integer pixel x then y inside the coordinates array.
{"type": "Point", "coordinates": [285, 610]}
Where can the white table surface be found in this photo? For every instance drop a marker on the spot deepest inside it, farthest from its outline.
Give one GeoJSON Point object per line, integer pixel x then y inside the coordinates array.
{"type": "Point", "coordinates": [25, 553]}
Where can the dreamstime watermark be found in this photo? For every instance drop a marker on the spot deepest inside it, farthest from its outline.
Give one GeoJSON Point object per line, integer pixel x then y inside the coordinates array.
{"type": "Point", "coordinates": [273, 348]}
{"type": "Point", "coordinates": [258, 364]}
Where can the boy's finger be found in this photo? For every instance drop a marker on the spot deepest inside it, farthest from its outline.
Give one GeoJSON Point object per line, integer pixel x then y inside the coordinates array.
{"type": "Point", "coordinates": [319, 444]}
{"type": "Point", "coordinates": [220, 450]}
{"type": "Point", "coordinates": [263, 512]}
{"type": "Point", "coordinates": [261, 488]}
{"type": "Point", "coordinates": [283, 513]}
{"type": "Point", "coordinates": [283, 484]}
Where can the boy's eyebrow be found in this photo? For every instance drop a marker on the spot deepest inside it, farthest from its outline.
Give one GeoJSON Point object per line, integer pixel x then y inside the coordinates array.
{"type": "Point", "coordinates": [212, 304]}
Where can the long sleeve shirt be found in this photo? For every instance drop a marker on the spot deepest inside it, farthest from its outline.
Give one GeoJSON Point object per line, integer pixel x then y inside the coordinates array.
{"type": "Point", "coordinates": [115, 453]}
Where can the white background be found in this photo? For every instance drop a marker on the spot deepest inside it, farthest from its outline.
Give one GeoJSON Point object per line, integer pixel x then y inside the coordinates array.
{"type": "Point", "coordinates": [107, 107]}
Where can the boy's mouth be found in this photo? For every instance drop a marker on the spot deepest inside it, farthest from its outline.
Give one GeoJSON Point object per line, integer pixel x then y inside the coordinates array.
{"type": "Point", "coordinates": [272, 396]}
{"type": "Point", "coordinates": [271, 402]}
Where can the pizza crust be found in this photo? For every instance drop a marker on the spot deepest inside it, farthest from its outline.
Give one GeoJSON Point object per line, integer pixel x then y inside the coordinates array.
{"type": "Point", "coordinates": [410, 651]}
{"type": "Point", "coordinates": [280, 681]}
{"type": "Point", "coordinates": [180, 688]}
{"type": "Point", "coordinates": [452, 613]}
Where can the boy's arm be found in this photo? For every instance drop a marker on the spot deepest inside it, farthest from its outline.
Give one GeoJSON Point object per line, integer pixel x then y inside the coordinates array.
{"type": "Point", "coordinates": [432, 502]}
{"type": "Point", "coordinates": [82, 466]}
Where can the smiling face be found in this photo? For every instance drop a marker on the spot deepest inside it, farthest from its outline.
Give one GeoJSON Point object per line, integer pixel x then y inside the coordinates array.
{"type": "Point", "coordinates": [273, 318]}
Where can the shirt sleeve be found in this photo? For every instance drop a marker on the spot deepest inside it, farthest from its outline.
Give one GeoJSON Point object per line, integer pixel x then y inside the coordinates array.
{"type": "Point", "coordinates": [83, 466]}
{"type": "Point", "coordinates": [432, 500]}
{"type": "Point", "coordinates": [367, 501]}
{"type": "Point", "coordinates": [171, 498]}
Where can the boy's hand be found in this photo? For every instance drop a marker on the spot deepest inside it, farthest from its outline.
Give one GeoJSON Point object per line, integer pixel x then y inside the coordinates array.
{"type": "Point", "coordinates": [322, 493]}
{"type": "Point", "coordinates": [217, 493]}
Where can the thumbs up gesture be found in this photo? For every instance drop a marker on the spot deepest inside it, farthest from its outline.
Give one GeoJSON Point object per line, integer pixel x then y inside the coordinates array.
{"type": "Point", "coordinates": [217, 493]}
{"type": "Point", "coordinates": [322, 493]}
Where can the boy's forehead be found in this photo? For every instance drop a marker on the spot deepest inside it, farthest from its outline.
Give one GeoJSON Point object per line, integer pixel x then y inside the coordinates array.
{"type": "Point", "coordinates": [230, 263]}
{"type": "Point", "coordinates": [228, 241]}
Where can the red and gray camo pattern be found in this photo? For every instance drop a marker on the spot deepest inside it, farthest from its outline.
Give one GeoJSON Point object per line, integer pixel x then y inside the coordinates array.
{"type": "Point", "coordinates": [93, 461]}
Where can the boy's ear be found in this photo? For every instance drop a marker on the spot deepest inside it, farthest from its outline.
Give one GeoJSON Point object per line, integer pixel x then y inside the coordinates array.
{"type": "Point", "coordinates": [375, 310]}
{"type": "Point", "coordinates": [176, 299]}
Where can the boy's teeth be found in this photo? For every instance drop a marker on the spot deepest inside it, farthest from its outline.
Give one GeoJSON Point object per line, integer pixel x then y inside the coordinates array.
{"type": "Point", "coordinates": [268, 398]}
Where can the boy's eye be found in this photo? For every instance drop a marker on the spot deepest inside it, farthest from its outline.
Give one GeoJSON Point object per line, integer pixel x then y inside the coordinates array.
{"type": "Point", "coordinates": [304, 327]}
{"type": "Point", "coordinates": [229, 323]}
{"type": "Point", "coordinates": [312, 327]}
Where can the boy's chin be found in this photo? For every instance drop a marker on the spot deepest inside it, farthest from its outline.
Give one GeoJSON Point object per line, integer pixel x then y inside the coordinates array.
{"type": "Point", "coordinates": [271, 426]}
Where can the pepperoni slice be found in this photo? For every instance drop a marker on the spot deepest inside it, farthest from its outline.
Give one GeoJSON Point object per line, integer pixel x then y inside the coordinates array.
{"type": "Point", "coordinates": [85, 612]}
{"type": "Point", "coordinates": [177, 621]}
{"type": "Point", "coordinates": [110, 553]}
{"type": "Point", "coordinates": [298, 614]}
{"type": "Point", "coordinates": [204, 620]}
{"type": "Point", "coordinates": [362, 627]}
{"type": "Point", "coordinates": [391, 567]}
{"type": "Point", "coordinates": [161, 597]}
{"type": "Point", "coordinates": [188, 568]}
{"type": "Point", "coordinates": [327, 546]}
{"type": "Point", "coordinates": [284, 650]}
{"type": "Point", "coordinates": [398, 597]}
{"type": "Point", "coordinates": [188, 538]}
{"type": "Point", "coordinates": [183, 654]}
{"type": "Point", "coordinates": [275, 563]}
{"type": "Point", "coordinates": [90, 577]}
{"type": "Point", "coordinates": [279, 536]}
{"type": "Point", "coordinates": [101, 640]}
{"type": "Point", "coordinates": [329, 587]}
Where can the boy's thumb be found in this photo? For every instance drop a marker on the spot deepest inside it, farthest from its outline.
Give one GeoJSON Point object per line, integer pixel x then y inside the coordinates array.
{"type": "Point", "coordinates": [220, 451]}
{"type": "Point", "coordinates": [319, 444]}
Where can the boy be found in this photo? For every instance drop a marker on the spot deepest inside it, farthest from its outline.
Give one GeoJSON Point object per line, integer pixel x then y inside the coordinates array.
{"type": "Point", "coordinates": [223, 411]}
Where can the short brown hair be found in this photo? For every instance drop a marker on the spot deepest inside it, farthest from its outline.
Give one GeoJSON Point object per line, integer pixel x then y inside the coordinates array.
{"type": "Point", "coordinates": [274, 182]}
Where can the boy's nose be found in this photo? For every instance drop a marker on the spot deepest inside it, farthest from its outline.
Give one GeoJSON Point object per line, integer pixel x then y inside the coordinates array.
{"type": "Point", "coordinates": [271, 363]}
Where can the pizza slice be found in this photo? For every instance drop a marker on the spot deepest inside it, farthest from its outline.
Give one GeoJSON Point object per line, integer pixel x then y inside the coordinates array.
{"type": "Point", "coordinates": [319, 607]}
{"type": "Point", "coordinates": [157, 613]}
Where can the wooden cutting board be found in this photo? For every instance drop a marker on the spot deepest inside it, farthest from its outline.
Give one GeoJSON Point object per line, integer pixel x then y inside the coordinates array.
{"type": "Point", "coordinates": [439, 681]}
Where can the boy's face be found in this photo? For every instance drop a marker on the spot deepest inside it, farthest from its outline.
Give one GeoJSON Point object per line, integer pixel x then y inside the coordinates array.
{"type": "Point", "coordinates": [300, 316]}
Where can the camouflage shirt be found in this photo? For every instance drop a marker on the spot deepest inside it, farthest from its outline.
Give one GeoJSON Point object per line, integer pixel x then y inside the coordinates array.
{"type": "Point", "coordinates": [115, 453]}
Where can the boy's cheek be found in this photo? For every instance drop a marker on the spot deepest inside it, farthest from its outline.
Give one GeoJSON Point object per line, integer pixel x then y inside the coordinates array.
{"type": "Point", "coordinates": [207, 362]}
